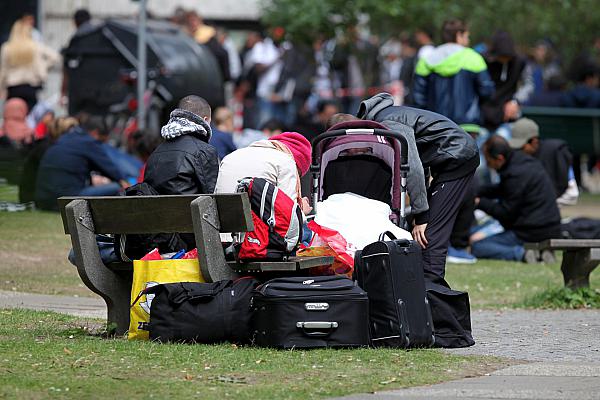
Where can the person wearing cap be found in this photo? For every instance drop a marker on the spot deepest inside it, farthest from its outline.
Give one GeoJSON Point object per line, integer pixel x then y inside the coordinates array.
{"type": "Point", "coordinates": [554, 154]}
{"type": "Point", "coordinates": [523, 202]}
{"type": "Point", "coordinates": [281, 160]}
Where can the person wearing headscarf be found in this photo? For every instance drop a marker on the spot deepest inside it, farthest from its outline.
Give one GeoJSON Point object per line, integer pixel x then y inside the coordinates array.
{"type": "Point", "coordinates": [281, 160]}
{"type": "Point", "coordinates": [14, 126]}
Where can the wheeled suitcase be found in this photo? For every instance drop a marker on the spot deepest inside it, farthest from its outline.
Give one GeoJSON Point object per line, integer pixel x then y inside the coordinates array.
{"type": "Point", "coordinates": [307, 312]}
{"type": "Point", "coordinates": [392, 274]}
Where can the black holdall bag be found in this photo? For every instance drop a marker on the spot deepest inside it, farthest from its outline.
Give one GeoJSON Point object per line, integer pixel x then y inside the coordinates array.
{"type": "Point", "coordinates": [451, 314]}
{"type": "Point", "coordinates": [392, 274]}
{"type": "Point", "coordinates": [309, 312]}
{"type": "Point", "coordinates": [194, 312]}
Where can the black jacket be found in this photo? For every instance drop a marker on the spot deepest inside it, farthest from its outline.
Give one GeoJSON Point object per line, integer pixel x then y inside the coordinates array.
{"type": "Point", "coordinates": [555, 156]}
{"type": "Point", "coordinates": [185, 163]}
{"type": "Point", "coordinates": [526, 201]}
{"type": "Point", "coordinates": [443, 146]}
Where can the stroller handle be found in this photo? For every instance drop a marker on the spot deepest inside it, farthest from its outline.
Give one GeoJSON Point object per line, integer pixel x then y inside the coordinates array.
{"type": "Point", "coordinates": [361, 131]}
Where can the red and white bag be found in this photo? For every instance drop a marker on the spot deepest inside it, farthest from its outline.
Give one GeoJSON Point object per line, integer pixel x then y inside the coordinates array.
{"type": "Point", "coordinates": [277, 222]}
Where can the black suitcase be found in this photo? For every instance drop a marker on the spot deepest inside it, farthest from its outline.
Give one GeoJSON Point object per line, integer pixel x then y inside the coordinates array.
{"type": "Point", "coordinates": [392, 274]}
{"type": "Point", "coordinates": [307, 312]}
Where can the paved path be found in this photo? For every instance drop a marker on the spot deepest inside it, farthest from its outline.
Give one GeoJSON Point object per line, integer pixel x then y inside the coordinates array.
{"type": "Point", "coordinates": [93, 307]}
{"type": "Point", "coordinates": [563, 348]}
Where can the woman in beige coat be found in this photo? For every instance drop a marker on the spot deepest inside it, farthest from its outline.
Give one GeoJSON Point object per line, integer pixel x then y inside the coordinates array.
{"type": "Point", "coordinates": [24, 64]}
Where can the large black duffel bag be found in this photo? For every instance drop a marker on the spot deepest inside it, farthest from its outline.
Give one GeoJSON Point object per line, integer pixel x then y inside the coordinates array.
{"type": "Point", "coordinates": [320, 311]}
{"type": "Point", "coordinates": [201, 312]}
{"type": "Point", "coordinates": [391, 271]}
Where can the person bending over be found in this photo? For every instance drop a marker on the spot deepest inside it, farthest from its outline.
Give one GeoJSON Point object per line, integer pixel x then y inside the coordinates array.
{"type": "Point", "coordinates": [451, 155]}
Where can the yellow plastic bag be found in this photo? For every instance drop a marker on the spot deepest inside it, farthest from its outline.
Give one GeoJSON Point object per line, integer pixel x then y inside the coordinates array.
{"type": "Point", "coordinates": [148, 273]}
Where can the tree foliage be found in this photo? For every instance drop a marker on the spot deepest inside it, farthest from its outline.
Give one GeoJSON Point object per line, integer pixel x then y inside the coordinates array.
{"type": "Point", "coordinates": [570, 24]}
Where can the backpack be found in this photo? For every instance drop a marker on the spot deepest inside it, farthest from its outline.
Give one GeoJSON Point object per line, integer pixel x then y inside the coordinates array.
{"type": "Point", "coordinates": [135, 246]}
{"type": "Point", "coordinates": [277, 223]}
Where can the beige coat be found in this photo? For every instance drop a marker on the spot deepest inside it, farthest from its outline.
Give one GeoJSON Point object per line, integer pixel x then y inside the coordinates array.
{"type": "Point", "coordinates": [259, 160]}
{"type": "Point", "coordinates": [34, 74]}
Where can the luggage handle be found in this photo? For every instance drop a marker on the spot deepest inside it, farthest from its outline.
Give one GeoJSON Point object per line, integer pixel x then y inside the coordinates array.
{"type": "Point", "coordinates": [401, 242]}
{"type": "Point", "coordinates": [388, 234]}
{"type": "Point", "coordinates": [327, 328]}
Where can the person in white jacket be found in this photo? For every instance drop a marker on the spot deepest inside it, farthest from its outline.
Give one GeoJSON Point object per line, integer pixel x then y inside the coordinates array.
{"type": "Point", "coordinates": [281, 160]}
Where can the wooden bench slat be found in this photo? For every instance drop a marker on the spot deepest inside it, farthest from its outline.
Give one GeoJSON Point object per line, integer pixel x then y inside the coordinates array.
{"type": "Point", "coordinates": [160, 214]}
{"type": "Point", "coordinates": [559, 244]}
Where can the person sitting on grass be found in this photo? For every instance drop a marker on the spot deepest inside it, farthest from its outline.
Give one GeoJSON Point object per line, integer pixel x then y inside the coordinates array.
{"type": "Point", "coordinates": [524, 202]}
{"type": "Point", "coordinates": [66, 167]}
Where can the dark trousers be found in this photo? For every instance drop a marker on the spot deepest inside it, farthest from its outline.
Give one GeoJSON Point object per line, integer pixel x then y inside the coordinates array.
{"type": "Point", "coordinates": [445, 199]}
{"type": "Point", "coordinates": [461, 232]}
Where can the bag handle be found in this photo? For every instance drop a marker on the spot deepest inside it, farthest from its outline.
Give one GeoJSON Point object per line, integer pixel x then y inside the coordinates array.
{"type": "Point", "coordinates": [321, 328]}
{"type": "Point", "coordinates": [388, 234]}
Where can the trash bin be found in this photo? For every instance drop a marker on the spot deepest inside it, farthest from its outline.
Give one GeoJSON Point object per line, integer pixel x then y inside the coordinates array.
{"type": "Point", "coordinates": [95, 62]}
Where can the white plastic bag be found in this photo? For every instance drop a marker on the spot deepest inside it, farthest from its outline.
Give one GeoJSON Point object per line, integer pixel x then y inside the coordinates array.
{"type": "Point", "coordinates": [358, 219]}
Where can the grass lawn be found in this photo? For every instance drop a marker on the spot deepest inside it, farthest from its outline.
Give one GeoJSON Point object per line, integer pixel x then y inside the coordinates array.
{"type": "Point", "coordinates": [33, 252]}
{"type": "Point", "coordinates": [51, 355]}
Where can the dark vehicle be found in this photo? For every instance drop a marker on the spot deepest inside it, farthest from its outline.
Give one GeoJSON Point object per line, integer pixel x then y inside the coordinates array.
{"type": "Point", "coordinates": [97, 60]}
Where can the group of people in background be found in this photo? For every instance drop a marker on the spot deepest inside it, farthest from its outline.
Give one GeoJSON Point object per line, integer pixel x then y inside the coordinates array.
{"type": "Point", "coordinates": [276, 86]}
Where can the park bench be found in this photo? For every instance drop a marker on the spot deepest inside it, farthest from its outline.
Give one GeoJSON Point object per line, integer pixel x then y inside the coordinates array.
{"type": "Point", "coordinates": [204, 215]}
{"type": "Point", "coordinates": [580, 258]}
{"type": "Point", "coordinates": [580, 127]}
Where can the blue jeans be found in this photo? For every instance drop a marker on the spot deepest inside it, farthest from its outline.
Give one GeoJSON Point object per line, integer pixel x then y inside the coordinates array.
{"type": "Point", "coordinates": [502, 246]}
{"type": "Point", "coordinates": [110, 189]}
{"type": "Point", "coordinates": [127, 164]}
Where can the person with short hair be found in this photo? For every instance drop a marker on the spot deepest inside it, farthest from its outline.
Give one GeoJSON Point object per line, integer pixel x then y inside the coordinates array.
{"type": "Point", "coordinates": [222, 128]}
{"type": "Point", "coordinates": [66, 167]}
{"type": "Point", "coordinates": [185, 163]}
{"type": "Point", "coordinates": [523, 202]}
{"type": "Point", "coordinates": [453, 79]}
{"type": "Point", "coordinates": [554, 154]}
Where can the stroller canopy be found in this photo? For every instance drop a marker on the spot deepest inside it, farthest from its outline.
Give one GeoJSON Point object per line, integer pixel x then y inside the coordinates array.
{"type": "Point", "coordinates": [363, 164]}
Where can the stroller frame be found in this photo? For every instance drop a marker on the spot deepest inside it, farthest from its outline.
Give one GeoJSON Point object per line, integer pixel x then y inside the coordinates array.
{"type": "Point", "coordinates": [317, 152]}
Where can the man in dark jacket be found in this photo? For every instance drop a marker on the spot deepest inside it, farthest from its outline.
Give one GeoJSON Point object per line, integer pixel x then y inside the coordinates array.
{"type": "Point", "coordinates": [554, 154]}
{"type": "Point", "coordinates": [452, 157]}
{"type": "Point", "coordinates": [523, 202]}
{"type": "Point", "coordinates": [65, 168]}
{"type": "Point", "coordinates": [452, 79]}
{"type": "Point", "coordinates": [185, 163]}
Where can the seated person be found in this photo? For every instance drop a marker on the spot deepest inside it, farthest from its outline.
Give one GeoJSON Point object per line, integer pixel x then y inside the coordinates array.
{"type": "Point", "coordinates": [32, 161]}
{"type": "Point", "coordinates": [554, 155]}
{"type": "Point", "coordinates": [222, 128]}
{"type": "Point", "coordinates": [281, 160]}
{"type": "Point", "coordinates": [185, 163]}
{"type": "Point", "coordinates": [66, 167]}
{"type": "Point", "coordinates": [523, 202]}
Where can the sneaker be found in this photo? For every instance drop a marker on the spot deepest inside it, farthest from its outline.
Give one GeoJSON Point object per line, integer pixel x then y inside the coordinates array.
{"type": "Point", "coordinates": [460, 256]}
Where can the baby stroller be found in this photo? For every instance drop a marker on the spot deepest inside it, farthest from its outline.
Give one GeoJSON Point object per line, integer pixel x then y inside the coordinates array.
{"type": "Point", "coordinates": [365, 158]}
